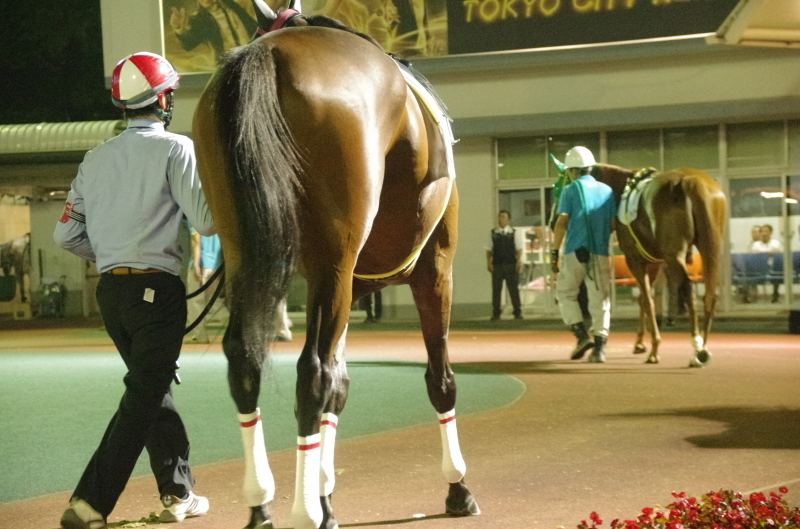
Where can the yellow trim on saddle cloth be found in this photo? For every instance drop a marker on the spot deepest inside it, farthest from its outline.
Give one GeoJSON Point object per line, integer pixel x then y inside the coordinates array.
{"type": "Point", "coordinates": [429, 102]}
{"type": "Point", "coordinates": [640, 177]}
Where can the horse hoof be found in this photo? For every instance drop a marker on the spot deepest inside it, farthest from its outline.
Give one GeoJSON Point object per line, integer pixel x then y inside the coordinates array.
{"type": "Point", "coordinates": [460, 501]}
{"type": "Point", "coordinates": [651, 360]}
{"type": "Point", "coordinates": [328, 521]}
{"type": "Point", "coordinates": [259, 518]}
{"type": "Point", "coordinates": [700, 358]}
{"type": "Point", "coordinates": [639, 349]}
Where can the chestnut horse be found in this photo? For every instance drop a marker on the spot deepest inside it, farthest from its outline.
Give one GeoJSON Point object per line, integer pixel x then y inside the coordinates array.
{"type": "Point", "coordinates": [676, 210]}
{"type": "Point", "coordinates": [316, 155]}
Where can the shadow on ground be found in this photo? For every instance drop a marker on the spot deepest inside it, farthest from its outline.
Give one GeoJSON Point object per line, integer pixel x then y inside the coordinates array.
{"type": "Point", "coordinates": [762, 428]}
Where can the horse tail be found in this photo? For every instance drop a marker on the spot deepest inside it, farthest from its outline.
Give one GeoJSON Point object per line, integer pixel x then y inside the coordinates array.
{"type": "Point", "coordinates": [263, 168]}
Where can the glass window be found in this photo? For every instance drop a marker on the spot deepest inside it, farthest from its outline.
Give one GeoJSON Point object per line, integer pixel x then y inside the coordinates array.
{"type": "Point", "coordinates": [525, 206]}
{"type": "Point", "coordinates": [755, 144]}
{"type": "Point", "coordinates": [793, 196]}
{"type": "Point", "coordinates": [634, 149]}
{"type": "Point", "coordinates": [559, 145]}
{"type": "Point", "coordinates": [521, 158]}
{"type": "Point", "coordinates": [696, 147]}
{"type": "Point", "coordinates": [794, 144]}
{"type": "Point", "coordinates": [755, 197]}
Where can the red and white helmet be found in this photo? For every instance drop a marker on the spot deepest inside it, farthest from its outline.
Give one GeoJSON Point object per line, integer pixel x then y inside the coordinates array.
{"type": "Point", "coordinates": [138, 79]}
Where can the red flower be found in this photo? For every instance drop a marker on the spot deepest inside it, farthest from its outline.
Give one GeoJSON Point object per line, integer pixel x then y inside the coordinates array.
{"type": "Point", "coordinates": [783, 490]}
{"type": "Point", "coordinates": [596, 518]}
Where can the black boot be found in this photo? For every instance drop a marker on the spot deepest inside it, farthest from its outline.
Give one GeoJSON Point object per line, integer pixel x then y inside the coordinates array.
{"type": "Point", "coordinates": [584, 341]}
{"type": "Point", "coordinates": [598, 355]}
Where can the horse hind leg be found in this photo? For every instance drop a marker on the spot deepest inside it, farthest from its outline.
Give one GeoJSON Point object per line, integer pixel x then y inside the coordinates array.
{"type": "Point", "coordinates": [701, 356]}
{"type": "Point", "coordinates": [432, 291]}
{"type": "Point", "coordinates": [322, 388]}
{"type": "Point", "coordinates": [328, 423]}
{"type": "Point", "coordinates": [244, 377]}
{"type": "Point", "coordinates": [647, 316]}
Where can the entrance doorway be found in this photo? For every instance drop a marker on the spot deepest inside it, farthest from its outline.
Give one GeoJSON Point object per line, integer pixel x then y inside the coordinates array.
{"type": "Point", "coordinates": [530, 212]}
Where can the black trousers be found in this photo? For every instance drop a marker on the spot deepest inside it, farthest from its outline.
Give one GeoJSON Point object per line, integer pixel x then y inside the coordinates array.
{"type": "Point", "coordinates": [148, 336]}
{"type": "Point", "coordinates": [367, 300]}
{"type": "Point", "coordinates": [505, 272]}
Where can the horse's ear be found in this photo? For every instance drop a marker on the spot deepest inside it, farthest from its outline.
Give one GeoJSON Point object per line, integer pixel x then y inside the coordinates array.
{"type": "Point", "coordinates": [265, 15]}
{"type": "Point", "coordinates": [295, 4]}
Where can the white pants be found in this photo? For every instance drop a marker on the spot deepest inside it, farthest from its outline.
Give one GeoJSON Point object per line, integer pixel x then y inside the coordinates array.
{"type": "Point", "coordinates": [571, 274]}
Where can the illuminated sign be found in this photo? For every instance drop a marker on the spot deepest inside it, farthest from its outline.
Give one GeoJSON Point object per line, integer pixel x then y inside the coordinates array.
{"type": "Point", "coordinates": [494, 25]}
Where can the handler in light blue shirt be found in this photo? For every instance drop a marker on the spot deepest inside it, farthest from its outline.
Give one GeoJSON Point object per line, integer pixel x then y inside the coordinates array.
{"type": "Point", "coordinates": [124, 211]}
{"type": "Point", "coordinates": [133, 211]}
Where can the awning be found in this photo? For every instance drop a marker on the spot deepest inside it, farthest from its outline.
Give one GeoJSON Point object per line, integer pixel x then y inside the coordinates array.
{"type": "Point", "coordinates": [50, 137]}
{"type": "Point", "coordinates": [36, 159]}
{"type": "Point", "coordinates": [762, 23]}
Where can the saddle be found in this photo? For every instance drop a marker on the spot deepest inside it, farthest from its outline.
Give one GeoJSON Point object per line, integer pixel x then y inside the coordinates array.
{"type": "Point", "coordinates": [629, 201]}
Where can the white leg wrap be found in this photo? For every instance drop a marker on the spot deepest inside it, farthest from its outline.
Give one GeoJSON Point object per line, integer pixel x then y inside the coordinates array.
{"type": "Point", "coordinates": [697, 342]}
{"type": "Point", "coordinates": [453, 465]}
{"type": "Point", "coordinates": [327, 432]}
{"type": "Point", "coordinates": [306, 510]}
{"type": "Point", "coordinates": [259, 485]}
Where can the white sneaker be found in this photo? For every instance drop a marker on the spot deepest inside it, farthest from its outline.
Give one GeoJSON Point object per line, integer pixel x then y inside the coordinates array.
{"type": "Point", "coordinates": [176, 509]}
{"type": "Point", "coordinates": [81, 515]}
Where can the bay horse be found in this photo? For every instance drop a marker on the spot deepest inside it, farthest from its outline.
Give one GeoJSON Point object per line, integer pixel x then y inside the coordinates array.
{"type": "Point", "coordinates": [317, 154]}
{"type": "Point", "coordinates": [677, 209]}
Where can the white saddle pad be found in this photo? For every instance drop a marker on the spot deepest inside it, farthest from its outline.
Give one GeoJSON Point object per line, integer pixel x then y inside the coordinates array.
{"type": "Point", "coordinates": [629, 202]}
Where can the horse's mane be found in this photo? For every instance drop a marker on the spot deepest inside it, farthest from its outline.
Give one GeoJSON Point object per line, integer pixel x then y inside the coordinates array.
{"type": "Point", "coordinates": [327, 22]}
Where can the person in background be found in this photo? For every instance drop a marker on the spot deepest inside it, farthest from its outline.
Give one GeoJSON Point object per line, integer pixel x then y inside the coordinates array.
{"type": "Point", "coordinates": [771, 246]}
{"type": "Point", "coordinates": [503, 260]}
{"type": "Point", "coordinates": [124, 211]}
{"type": "Point", "coordinates": [206, 259]}
{"type": "Point", "coordinates": [748, 293]}
{"type": "Point", "coordinates": [367, 301]}
{"type": "Point", "coordinates": [755, 236]}
{"type": "Point", "coordinates": [586, 217]}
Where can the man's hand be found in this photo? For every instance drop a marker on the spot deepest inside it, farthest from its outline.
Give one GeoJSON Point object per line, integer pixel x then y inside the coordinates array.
{"type": "Point", "coordinates": [490, 268]}
{"type": "Point", "coordinates": [554, 261]}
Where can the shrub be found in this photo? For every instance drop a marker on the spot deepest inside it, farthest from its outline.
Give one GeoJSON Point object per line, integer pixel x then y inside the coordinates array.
{"type": "Point", "coordinates": [715, 510]}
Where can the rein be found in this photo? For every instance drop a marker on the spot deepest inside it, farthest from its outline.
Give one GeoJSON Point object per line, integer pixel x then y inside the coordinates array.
{"type": "Point", "coordinates": [629, 186]}
{"type": "Point", "coordinates": [217, 273]}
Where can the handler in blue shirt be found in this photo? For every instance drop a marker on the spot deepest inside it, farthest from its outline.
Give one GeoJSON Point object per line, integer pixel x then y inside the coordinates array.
{"type": "Point", "coordinates": [124, 211]}
{"type": "Point", "coordinates": [586, 217]}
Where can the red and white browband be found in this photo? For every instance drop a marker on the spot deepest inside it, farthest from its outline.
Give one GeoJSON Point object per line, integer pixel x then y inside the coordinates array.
{"type": "Point", "coordinates": [284, 17]}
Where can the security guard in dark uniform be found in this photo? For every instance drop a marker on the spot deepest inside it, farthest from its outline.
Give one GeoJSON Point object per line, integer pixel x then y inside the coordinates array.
{"type": "Point", "coordinates": [503, 261]}
{"type": "Point", "coordinates": [124, 211]}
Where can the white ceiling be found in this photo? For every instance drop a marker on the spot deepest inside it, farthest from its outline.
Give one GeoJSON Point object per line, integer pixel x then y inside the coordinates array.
{"type": "Point", "coordinates": [762, 23]}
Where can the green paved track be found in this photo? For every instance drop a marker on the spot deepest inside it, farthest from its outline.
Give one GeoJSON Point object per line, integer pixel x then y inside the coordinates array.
{"type": "Point", "coordinates": [54, 408]}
